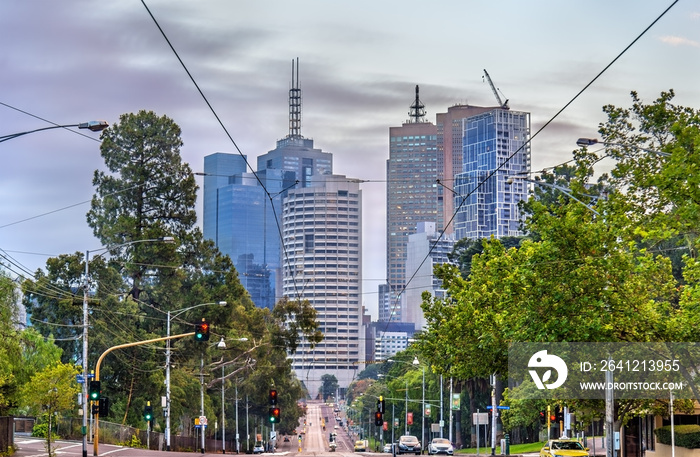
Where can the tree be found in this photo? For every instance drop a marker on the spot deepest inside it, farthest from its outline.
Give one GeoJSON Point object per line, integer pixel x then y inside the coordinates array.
{"type": "Point", "coordinates": [52, 391]}
{"type": "Point", "coordinates": [329, 386]}
{"type": "Point", "coordinates": [151, 193]}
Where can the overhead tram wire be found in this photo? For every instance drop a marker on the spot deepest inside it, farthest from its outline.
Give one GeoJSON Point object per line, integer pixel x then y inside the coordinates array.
{"type": "Point", "coordinates": [498, 168]}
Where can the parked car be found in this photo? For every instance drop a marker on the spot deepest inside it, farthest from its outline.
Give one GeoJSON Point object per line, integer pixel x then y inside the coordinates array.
{"type": "Point", "coordinates": [563, 448]}
{"type": "Point", "coordinates": [440, 446]}
{"type": "Point", "coordinates": [408, 444]}
{"type": "Point", "coordinates": [387, 448]}
{"type": "Point", "coordinates": [360, 446]}
{"type": "Point", "coordinates": [258, 448]}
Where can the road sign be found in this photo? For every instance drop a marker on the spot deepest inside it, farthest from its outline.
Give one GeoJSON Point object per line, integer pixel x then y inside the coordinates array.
{"type": "Point", "coordinates": [203, 420]}
{"type": "Point", "coordinates": [480, 418]}
{"type": "Point", "coordinates": [498, 407]}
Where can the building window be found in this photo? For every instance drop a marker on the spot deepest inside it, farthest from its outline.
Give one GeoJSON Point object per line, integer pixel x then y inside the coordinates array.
{"type": "Point", "coordinates": [308, 243]}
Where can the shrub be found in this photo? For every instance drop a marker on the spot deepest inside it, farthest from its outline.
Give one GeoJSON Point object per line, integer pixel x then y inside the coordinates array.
{"type": "Point", "coordinates": [687, 436]}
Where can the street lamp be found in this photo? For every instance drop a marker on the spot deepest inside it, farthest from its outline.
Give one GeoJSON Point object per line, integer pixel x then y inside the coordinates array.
{"type": "Point", "coordinates": [167, 372]}
{"type": "Point", "coordinates": [561, 189]}
{"type": "Point", "coordinates": [166, 239]}
{"type": "Point", "coordinates": [405, 419]}
{"type": "Point", "coordinates": [416, 362]}
{"type": "Point", "coordinates": [94, 126]}
{"type": "Point", "coordinates": [585, 142]}
{"type": "Point", "coordinates": [222, 345]}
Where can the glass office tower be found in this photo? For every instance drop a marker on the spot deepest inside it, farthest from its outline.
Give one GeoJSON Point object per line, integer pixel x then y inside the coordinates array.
{"type": "Point", "coordinates": [494, 149]}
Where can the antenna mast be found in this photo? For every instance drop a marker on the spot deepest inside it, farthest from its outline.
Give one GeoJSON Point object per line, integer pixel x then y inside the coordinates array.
{"type": "Point", "coordinates": [417, 112]}
{"type": "Point", "coordinates": [295, 104]}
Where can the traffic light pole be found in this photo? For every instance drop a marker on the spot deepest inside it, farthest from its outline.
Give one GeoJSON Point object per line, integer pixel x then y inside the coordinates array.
{"type": "Point", "coordinates": [97, 374]}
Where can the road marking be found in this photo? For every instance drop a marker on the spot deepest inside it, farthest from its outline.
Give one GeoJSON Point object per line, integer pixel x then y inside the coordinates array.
{"type": "Point", "coordinates": [115, 450]}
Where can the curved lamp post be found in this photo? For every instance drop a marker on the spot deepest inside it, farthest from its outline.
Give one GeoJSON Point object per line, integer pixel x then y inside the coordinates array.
{"type": "Point", "coordinates": [405, 419]}
{"type": "Point", "coordinates": [222, 345]}
{"type": "Point", "coordinates": [94, 126]}
{"type": "Point", "coordinates": [416, 362]}
{"type": "Point", "coordinates": [86, 287]}
{"type": "Point", "coordinates": [585, 142]}
{"type": "Point", "coordinates": [167, 369]}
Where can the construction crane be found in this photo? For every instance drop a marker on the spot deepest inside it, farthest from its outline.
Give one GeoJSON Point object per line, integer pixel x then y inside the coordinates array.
{"type": "Point", "coordinates": [501, 103]}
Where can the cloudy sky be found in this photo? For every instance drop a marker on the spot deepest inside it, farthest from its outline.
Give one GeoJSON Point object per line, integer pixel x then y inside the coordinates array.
{"type": "Point", "coordinates": [78, 60]}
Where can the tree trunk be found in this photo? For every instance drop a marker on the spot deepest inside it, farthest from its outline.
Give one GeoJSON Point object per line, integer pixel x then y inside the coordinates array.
{"type": "Point", "coordinates": [128, 400]}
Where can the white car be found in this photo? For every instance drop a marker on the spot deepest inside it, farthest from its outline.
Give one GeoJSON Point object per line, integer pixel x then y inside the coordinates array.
{"type": "Point", "coordinates": [258, 448]}
{"type": "Point", "coordinates": [440, 446]}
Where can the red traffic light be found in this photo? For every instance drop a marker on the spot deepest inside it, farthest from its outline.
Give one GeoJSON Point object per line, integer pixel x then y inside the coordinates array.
{"type": "Point", "coordinates": [201, 331]}
{"type": "Point", "coordinates": [274, 415]}
{"type": "Point", "coordinates": [378, 420]}
{"type": "Point", "coordinates": [273, 397]}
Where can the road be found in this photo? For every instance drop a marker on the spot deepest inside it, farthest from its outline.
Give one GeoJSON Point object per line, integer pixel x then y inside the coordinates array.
{"type": "Point", "coordinates": [313, 443]}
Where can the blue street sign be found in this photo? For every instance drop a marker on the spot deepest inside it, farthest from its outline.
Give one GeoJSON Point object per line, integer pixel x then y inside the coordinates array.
{"type": "Point", "coordinates": [498, 407]}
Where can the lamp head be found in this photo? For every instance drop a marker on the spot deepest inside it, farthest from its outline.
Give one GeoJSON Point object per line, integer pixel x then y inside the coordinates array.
{"type": "Point", "coordinates": [583, 142]}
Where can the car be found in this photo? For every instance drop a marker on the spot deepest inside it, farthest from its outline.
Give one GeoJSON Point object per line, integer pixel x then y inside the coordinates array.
{"type": "Point", "coordinates": [258, 448]}
{"type": "Point", "coordinates": [440, 446]}
{"type": "Point", "coordinates": [286, 439]}
{"type": "Point", "coordinates": [564, 448]}
{"type": "Point", "coordinates": [360, 446]}
{"type": "Point", "coordinates": [408, 444]}
{"type": "Point", "coordinates": [387, 448]}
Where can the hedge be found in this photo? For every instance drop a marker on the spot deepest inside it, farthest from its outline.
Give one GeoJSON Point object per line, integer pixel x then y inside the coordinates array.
{"type": "Point", "coordinates": [687, 436]}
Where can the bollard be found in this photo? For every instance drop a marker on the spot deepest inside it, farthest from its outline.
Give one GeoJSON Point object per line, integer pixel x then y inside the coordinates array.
{"type": "Point", "coordinates": [507, 444]}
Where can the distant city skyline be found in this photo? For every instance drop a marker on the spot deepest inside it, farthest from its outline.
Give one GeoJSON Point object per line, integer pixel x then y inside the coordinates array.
{"type": "Point", "coordinates": [70, 62]}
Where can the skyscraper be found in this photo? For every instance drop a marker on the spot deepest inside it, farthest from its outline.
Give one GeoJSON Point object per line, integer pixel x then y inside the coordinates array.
{"type": "Point", "coordinates": [449, 155]}
{"type": "Point", "coordinates": [412, 194]}
{"type": "Point", "coordinates": [240, 219]}
{"type": "Point", "coordinates": [495, 147]}
{"type": "Point", "coordinates": [319, 255]}
{"type": "Point", "coordinates": [425, 250]}
{"type": "Point", "coordinates": [323, 264]}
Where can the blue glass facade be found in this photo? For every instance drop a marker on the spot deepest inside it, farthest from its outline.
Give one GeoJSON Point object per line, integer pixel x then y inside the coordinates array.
{"type": "Point", "coordinates": [239, 218]}
{"type": "Point", "coordinates": [490, 208]}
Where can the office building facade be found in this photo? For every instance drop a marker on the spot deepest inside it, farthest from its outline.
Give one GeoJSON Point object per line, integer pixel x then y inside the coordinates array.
{"type": "Point", "coordinates": [495, 148]}
{"type": "Point", "coordinates": [323, 264]}
{"type": "Point", "coordinates": [425, 250]}
{"type": "Point", "coordinates": [412, 196]}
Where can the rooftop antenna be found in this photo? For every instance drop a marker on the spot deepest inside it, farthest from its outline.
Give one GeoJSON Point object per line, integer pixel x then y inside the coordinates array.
{"type": "Point", "coordinates": [417, 112]}
{"type": "Point", "coordinates": [295, 104]}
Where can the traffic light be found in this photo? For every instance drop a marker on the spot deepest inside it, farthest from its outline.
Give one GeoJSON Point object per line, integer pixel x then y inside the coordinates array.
{"type": "Point", "coordinates": [148, 412]}
{"type": "Point", "coordinates": [104, 406]}
{"type": "Point", "coordinates": [274, 414]}
{"type": "Point", "coordinates": [560, 415]}
{"type": "Point", "coordinates": [201, 331]}
{"type": "Point", "coordinates": [273, 397]}
{"type": "Point", "coordinates": [378, 419]}
{"type": "Point", "coordinates": [94, 391]}
{"type": "Point", "coordinates": [543, 417]}
{"type": "Point", "coordinates": [380, 405]}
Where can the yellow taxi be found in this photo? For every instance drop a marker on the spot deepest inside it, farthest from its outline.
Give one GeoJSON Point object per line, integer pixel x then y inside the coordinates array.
{"type": "Point", "coordinates": [564, 448]}
{"type": "Point", "coordinates": [360, 446]}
